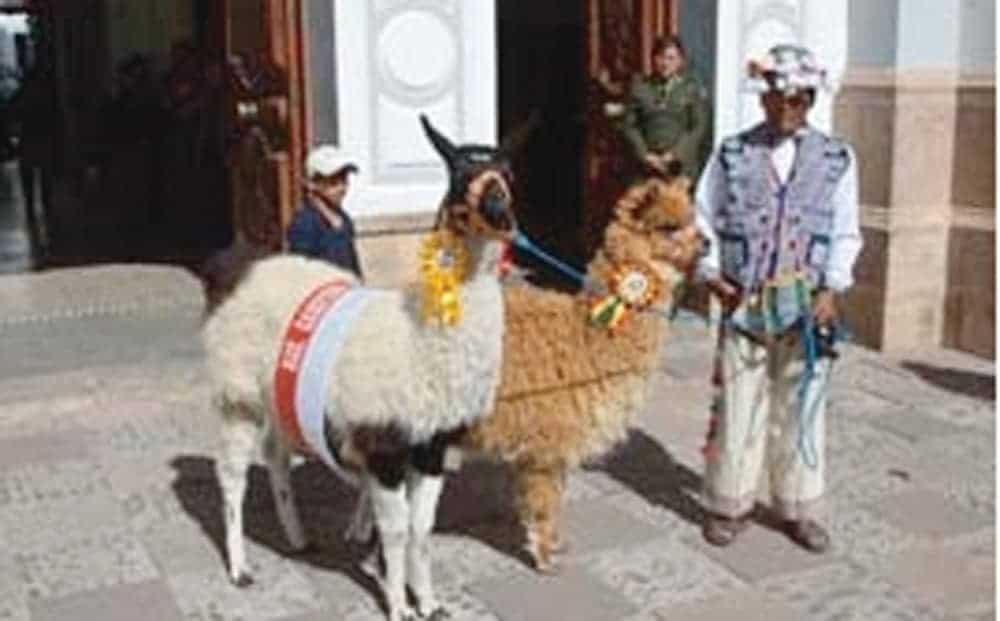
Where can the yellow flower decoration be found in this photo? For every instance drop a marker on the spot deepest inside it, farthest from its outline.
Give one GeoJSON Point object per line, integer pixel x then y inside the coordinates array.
{"type": "Point", "coordinates": [631, 287]}
{"type": "Point", "coordinates": [444, 265]}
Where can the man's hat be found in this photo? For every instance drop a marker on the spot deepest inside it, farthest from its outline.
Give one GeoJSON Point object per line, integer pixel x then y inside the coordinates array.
{"type": "Point", "coordinates": [788, 69]}
{"type": "Point", "coordinates": [327, 161]}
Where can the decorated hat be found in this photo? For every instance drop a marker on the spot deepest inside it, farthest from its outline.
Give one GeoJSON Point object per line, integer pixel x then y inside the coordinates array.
{"type": "Point", "coordinates": [786, 68]}
{"type": "Point", "coordinates": [327, 161]}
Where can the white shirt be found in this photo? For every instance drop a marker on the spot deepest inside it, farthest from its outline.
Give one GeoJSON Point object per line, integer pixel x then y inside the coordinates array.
{"type": "Point", "coordinates": [845, 236]}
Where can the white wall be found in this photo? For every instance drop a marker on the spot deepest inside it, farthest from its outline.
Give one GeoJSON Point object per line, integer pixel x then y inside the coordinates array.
{"type": "Point", "coordinates": [977, 48]}
{"type": "Point", "coordinates": [928, 34]}
{"type": "Point", "coordinates": [944, 35]}
{"type": "Point", "coordinates": [872, 33]}
{"type": "Point", "coordinates": [396, 59]}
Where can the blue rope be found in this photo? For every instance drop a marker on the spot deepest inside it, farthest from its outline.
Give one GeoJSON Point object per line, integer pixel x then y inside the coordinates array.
{"type": "Point", "coordinates": [807, 415]}
{"type": "Point", "coordinates": [524, 243]}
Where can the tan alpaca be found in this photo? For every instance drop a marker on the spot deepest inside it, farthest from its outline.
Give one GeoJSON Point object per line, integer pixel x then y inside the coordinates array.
{"type": "Point", "coordinates": [569, 390]}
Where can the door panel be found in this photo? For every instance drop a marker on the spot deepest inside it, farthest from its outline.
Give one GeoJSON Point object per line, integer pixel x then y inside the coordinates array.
{"type": "Point", "coordinates": [263, 50]}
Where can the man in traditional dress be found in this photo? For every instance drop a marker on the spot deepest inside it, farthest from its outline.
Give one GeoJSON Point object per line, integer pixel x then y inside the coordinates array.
{"type": "Point", "coordinates": [779, 204]}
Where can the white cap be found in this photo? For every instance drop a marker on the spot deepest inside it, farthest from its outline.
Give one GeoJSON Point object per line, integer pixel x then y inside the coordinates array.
{"type": "Point", "coordinates": [327, 160]}
{"type": "Point", "coordinates": [786, 68]}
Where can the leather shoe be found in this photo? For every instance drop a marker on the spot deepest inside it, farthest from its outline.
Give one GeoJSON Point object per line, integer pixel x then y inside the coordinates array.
{"type": "Point", "coordinates": [721, 531]}
{"type": "Point", "coordinates": [808, 534]}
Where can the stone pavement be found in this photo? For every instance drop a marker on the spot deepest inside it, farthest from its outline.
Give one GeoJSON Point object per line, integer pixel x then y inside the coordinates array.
{"type": "Point", "coordinates": [109, 507]}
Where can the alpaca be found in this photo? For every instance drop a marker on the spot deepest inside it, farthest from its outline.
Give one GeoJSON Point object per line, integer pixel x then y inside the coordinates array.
{"type": "Point", "coordinates": [395, 390]}
{"type": "Point", "coordinates": [569, 389]}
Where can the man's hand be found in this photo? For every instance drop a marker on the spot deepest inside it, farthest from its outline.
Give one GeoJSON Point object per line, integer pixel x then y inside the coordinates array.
{"type": "Point", "coordinates": [728, 294]}
{"type": "Point", "coordinates": [653, 161]}
{"type": "Point", "coordinates": [824, 308]}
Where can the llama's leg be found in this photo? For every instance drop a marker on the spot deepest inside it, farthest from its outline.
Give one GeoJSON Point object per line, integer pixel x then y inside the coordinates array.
{"type": "Point", "coordinates": [363, 521]}
{"type": "Point", "coordinates": [424, 484]}
{"type": "Point", "coordinates": [278, 458]}
{"type": "Point", "coordinates": [387, 491]}
{"type": "Point", "coordinates": [239, 437]}
{"type": "Point", "coordinates": [539, 497]}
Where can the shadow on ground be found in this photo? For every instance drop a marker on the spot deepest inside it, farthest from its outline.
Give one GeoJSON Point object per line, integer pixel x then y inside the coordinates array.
{"type": "Point", "coordinates": [644, 466]}
{"type": "Point", "coordinates": [478, 503]}
{"type": "Point", "coordinates": [969, 383]}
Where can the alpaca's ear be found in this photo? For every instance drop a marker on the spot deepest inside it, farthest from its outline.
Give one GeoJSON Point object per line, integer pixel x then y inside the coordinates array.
{"type": "Point", "coordinates": [442, 145]}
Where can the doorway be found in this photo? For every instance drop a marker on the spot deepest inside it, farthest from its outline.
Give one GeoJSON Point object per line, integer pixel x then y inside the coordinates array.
{"type": "Point", "coordinates": [117, 127]}
{"type": "Point", "coordinates": [541, 71]}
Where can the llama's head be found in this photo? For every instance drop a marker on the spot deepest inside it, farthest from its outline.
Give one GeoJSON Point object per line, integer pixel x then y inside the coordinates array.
{"type": "Point", "coordinates": [479, 199]}
{"type": "Point", "coordinates": [654, 225]}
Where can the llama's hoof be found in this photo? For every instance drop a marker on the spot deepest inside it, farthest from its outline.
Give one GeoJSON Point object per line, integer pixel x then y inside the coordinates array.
{"type": "Point", "coordinates": [305, 549]}
{"type": "Point", "coordinates": [370, 565]}
{"type": "Point", "coordinates": [404, 614]}
{"type": "Point", "coordinates": [438, 614]}
{"type": "Point", "coordinates": [243, 580]}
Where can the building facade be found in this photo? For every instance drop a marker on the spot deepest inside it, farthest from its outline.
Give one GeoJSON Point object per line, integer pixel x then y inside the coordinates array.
{"type": "Point", "coordinates": [915, 96]}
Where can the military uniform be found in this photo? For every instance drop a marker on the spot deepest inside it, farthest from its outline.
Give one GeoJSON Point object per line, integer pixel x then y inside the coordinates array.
{"type": "Point", "coordinates": [667, 114]}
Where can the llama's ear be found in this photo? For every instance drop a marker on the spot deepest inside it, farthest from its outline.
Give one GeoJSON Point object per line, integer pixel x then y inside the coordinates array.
{"type": "Point", "coordinates": [518, 137]}
{"type": "Point", "coordinates": [441, 144]}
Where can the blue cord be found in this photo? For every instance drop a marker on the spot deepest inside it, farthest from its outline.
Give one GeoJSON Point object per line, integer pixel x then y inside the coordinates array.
{"type": "Point", "coordinates": [521, 241]}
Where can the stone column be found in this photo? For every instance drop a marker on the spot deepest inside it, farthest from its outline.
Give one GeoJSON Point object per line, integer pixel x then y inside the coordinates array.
{"type": "Point", "coordinates": [918, 126]}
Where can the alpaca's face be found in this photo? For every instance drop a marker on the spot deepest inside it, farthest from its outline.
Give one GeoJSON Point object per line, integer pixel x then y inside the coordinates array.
{"type": "Point", "coordinates": [667, 221]}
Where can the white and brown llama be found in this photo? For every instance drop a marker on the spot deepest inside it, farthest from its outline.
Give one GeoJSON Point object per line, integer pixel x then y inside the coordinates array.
{"type": "Point", "coordinates": [383, 399]}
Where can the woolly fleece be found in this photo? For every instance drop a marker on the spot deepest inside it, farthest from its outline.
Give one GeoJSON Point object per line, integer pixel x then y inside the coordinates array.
{"type": "Point", "coordinates": [392, 369]}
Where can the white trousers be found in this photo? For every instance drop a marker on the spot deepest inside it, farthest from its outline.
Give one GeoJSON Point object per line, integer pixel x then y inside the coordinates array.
{"type": "Point", "coordinates": [758, 421]}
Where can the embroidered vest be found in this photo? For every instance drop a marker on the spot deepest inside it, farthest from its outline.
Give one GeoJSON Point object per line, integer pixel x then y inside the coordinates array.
{"type": "Point", "coordinates": [770, 232]}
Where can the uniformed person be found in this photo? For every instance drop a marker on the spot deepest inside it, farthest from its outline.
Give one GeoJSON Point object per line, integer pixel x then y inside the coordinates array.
{"type": "Point", "coordinates": [667, 113]}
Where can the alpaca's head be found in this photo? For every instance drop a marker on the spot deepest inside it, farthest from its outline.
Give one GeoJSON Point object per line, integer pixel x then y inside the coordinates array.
{"type": "Point", "coordinates": [479, 199]}
{"type": "Point", "coordinates": [654, 225]}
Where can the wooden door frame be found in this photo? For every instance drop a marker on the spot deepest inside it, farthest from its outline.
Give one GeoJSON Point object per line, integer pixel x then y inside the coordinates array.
{"type": "Point", "coordinates": [659, 18]}
{"type": "Point", "coordinates": [284, 49]}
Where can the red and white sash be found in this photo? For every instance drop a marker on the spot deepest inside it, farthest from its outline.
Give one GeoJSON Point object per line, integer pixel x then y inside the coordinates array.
{"type": "Point", "coordinates": [309, 349]}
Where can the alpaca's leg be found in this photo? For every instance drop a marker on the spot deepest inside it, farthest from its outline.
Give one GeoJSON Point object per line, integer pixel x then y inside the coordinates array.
{"type": "Point", "coordinates": [539, 498]}
{"type": "Point", "coordinates": [560, 544]}
{"type": "Point", "coordinates": [424, 484]}
{"type": "Point", "coordinates": [240, 437]}
{"type": "Point", "coordinates": [278, 458]}
{"type": "Point", "coordinates": [392, 518]}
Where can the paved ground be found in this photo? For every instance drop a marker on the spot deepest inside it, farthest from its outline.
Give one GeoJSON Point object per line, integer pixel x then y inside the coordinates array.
{"type": "Point", "coordinates": [109, 507]}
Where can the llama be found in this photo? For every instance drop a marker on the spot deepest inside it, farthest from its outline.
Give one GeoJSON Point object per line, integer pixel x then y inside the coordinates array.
{"type": "Point", "coordinates": [394, 391]}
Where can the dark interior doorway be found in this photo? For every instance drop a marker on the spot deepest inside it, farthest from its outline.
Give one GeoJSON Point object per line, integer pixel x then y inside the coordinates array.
{"type": "Point", "coordinates": [541, 70]}
{"type": "Point", "coordinates": [127, 133]}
